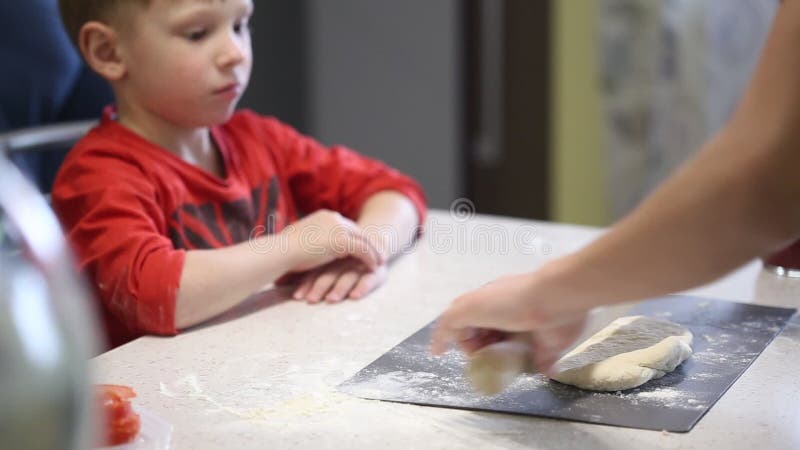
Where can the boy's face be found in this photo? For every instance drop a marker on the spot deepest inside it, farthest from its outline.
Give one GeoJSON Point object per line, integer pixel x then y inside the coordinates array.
{"type": "Point", "coordinates": [188, 61]}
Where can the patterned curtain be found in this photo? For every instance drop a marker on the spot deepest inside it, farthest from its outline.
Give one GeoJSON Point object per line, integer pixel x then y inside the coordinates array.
{"type": "Point", "coordinates": [671, 73]}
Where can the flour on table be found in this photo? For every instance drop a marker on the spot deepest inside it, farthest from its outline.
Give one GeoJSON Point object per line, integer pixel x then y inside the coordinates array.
{"type": "Point", "coordinates": [627, 353]}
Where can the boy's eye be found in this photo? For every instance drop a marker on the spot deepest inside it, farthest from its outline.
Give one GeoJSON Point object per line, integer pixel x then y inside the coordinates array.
{"type": "Point", "coordinates": [196, 35]}
{"type": "Point", "coordinates": [240, 27]}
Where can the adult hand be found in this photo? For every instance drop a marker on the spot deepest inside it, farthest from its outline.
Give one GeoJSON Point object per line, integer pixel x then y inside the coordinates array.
{"type": "Point", "coordinates": [513, 304]}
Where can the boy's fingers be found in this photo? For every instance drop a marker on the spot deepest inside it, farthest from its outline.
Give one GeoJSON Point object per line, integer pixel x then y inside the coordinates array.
{"type": "Point", "coordinates": [290, 279]}
{"type": "Point", "coordinates": [368, 282]}
{"type": "Point", "coordinates": [323, 284]}
{"type": "Point", "coordinates": [305, 284]}
{"type": "Point", "coordinates": [301, 290]}
{"type": "Point", "coordinates": [343, 286]}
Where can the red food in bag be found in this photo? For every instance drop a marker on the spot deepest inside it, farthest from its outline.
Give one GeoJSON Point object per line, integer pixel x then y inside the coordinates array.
{"type": "Point", "coordinates": [119, 423]}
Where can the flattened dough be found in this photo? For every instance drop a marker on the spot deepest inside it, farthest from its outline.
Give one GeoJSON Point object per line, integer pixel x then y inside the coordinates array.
{"type": "Point", "coordinates": [627, 353]}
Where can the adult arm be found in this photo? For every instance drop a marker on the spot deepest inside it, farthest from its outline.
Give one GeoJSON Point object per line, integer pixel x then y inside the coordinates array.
{"type": "Point", "coordinates": [736, 200]}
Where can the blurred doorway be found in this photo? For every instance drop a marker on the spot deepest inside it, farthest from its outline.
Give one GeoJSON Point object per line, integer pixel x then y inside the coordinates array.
{"type": "Point", "coordinates": [507, 114]}
{"type": "Point", "coordinates": [462, 103]}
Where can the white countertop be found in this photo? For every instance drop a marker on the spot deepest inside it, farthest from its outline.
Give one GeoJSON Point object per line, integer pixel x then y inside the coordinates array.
{"type": "Point", "coordinates": [264, 375]}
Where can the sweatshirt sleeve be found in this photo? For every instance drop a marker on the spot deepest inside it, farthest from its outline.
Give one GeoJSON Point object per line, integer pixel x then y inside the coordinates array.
{"type": "Point", "coordinates": [118, 232]}
{"type": "Point", "coordinates": [335, 178]}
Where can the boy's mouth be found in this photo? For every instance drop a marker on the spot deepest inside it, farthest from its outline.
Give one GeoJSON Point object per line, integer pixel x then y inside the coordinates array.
{"type": "Point", "coordinates": [230, 88]}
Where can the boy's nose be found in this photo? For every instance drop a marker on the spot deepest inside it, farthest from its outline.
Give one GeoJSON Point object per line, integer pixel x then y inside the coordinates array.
{"type": "Point", "coordinates": [233, 51]}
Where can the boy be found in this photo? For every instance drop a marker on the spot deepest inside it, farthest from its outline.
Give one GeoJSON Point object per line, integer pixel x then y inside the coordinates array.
{"type": "Point", "coordinates": [179, 207]}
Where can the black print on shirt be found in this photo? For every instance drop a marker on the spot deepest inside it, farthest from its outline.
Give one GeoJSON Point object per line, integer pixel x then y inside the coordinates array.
{"type": "Point", "coordinates": [215, 225]}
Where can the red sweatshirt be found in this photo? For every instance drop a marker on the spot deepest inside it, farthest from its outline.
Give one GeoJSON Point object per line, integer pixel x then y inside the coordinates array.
{"type": "Point", "coordinates": [131, 209]}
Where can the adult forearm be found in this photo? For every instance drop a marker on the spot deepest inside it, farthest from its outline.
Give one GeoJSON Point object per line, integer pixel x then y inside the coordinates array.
{"type": "Point", "coordinates": [721, 210]}
{"type": "Point", "coordinates": [736, 200]}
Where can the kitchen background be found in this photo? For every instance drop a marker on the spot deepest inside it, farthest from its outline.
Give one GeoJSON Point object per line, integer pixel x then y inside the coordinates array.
{"type": "Point", "coordinates": [560, 110]}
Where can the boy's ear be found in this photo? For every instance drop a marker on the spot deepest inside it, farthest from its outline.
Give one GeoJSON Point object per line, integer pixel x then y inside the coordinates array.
{"type": "Point", "coordinates": [99, 45]}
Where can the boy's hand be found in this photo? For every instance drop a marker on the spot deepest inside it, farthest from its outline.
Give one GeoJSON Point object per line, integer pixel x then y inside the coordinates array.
{"type": "Point", "coordinates": [338, 280]}
{"type": "Point", "coordinates": [326, 236]}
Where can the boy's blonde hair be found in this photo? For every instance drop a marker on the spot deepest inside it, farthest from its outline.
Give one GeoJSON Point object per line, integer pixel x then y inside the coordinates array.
{"type": "Point", "coordinates": [75, 13]}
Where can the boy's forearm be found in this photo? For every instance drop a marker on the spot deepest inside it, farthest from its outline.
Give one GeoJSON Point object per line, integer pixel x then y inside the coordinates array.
{"type": "Point", "coordinates": [391, 220]}
{"type": "Point", "coordinates": [215, 280]}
